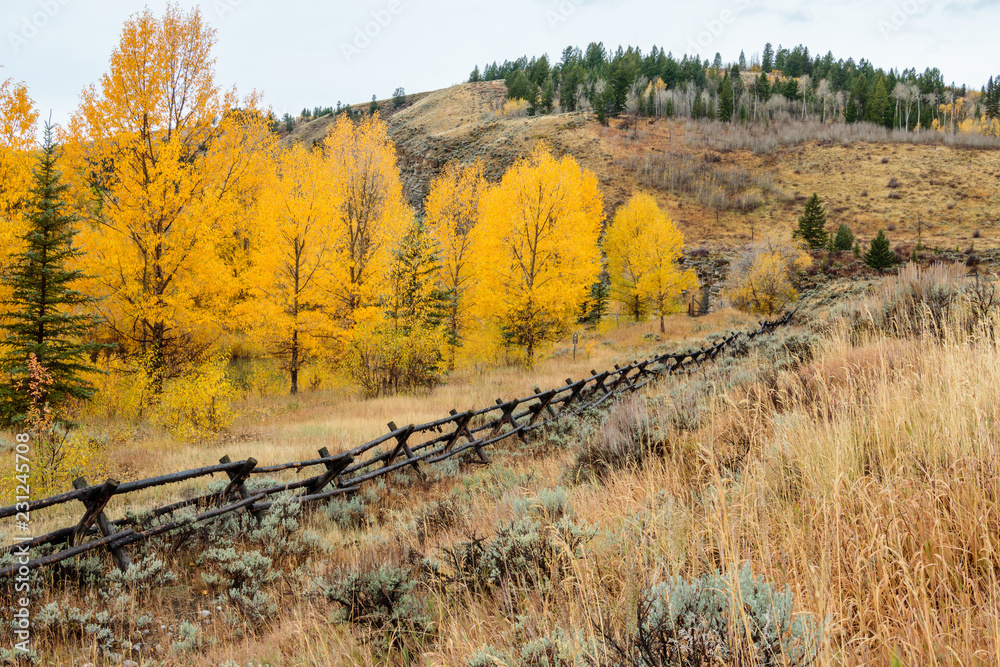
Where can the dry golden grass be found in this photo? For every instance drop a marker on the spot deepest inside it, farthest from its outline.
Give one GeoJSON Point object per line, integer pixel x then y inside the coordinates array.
{"type": "Point", "coordinates": [951, 191]}
{"type": "Point", "coordinates": [864, 476]}
{"type": "Point", "coordinates": [280, 429]}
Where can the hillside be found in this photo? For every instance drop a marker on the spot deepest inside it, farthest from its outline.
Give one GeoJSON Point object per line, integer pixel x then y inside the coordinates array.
{"type": "Point", "coordinates": [949, 192]}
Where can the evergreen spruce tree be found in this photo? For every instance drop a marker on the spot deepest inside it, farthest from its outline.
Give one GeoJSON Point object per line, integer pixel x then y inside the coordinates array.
{"type": "Point", "coordinates": [992, 98]}
{"type": "Point", "coordinates": [696, 110]}
{"type": "Point", "coordinates": [548, 97]}
{"type": "Point", "coordinates": [767, 60]}
{"type": "Point", "coordinates": [812, 223]}
{"type": "Point", "coordinates": [879, 255]}
{"type": "Point", "coordinates": [764, 87]}
{"type": "Point", "coordinates": [726, 100]}
{"type": "Point", "coordinates": [844, 239]}
{"type": "Point", "coordinates": [41, 317]}
{"type": "Point", "coordinates": [415, 302]}
{"type": "Point", "coordinates": [879, 105]}
{"type": "Point", "coordinates": [857, 100]}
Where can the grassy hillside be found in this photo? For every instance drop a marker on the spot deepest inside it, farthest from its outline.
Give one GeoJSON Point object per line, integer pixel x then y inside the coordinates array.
{"type": "Point", "coordinates": [699, 171]}
{"type": "Point", "coordinates": [840, 475]}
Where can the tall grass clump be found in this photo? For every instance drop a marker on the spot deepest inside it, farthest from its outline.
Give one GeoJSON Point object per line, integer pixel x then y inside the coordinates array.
{"type": "Point", "coordinates": [935, 300]}
{"type": "Point", "coordinates": [718, 186]}
{"type": "Point", "coordinates": [762, 138]}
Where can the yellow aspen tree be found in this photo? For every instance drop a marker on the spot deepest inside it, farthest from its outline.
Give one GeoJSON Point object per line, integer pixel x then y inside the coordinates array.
{"type": "Point", "coordinates": [293, 244]}
{"type": "Point", "coordinates": [759, 279]}
{"type": "Point", "coordinates": [536, 251]}
{"type": "Point", "coordinates": [18, 125]}
{"type": "Point", "coordinates": [451, 211]}
{"type": "Point", "coordinates": [165, 162]}
{"type": "Point", "coordinates": [765, 288]}
{"type": "Point", "coordinates": [642, 246]}
{"type": "Point", "coordinates": [371, 217]}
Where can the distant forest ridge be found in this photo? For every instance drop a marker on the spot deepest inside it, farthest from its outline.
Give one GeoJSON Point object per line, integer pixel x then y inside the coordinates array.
{"type": "Point", "coordinates": [779, 84]}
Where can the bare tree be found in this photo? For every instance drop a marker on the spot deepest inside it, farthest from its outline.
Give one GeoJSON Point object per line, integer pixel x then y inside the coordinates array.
{"type": "Point", "coordinates": [899, 92]}
{"type": "Point", "coordinates": [838, 103]}
{"type": "Point", "coordinates": [823, 92]}
{"type": "Point", "coordinates": [949, 99]}
{"type": "Point", "coordinates": [805, 85]}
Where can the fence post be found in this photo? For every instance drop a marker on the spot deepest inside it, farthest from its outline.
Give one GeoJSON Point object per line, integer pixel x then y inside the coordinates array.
{"type": "Point", "coordinates": [642, 371]}
{"type": "Point", "coordinates": [548, 407]}
{"type": "Point", "coordinates": [95, 506]}
{"type": "Point", "coordinates": [401, 446]}
{"type": "Point", "coordinates": [333, 469]}
{"type": "Point", "coordinates": [505, 418]}
{"type": "Point", "coordinates": [119, 554]}
{"type": "Point", "coordinates": [544, 402]}
{"type": "Point", "coordinates": [506, 409]}
{"type": "Point", "coordinates": [236, 479]}
{"type": "Point", "coordinates": [577, 390]}
{"type": "Point", "coordinates": [461, 429]}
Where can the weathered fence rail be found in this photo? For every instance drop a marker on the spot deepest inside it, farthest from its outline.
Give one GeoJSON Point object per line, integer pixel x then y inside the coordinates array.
{"type": "Point", "coordinates": [341, 474]}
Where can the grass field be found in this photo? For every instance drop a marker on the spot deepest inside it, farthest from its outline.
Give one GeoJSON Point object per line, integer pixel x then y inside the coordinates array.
{"type": "Point", "coordinates": [852, 459]}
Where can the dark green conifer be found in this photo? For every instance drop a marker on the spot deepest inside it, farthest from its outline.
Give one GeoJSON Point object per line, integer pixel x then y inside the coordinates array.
{"type": "Point", "coordinates": [812, 224]}
{"type": "Point", "coordinates": [879, 256]}
{"type": "Point", "coordinates": [42, 316]}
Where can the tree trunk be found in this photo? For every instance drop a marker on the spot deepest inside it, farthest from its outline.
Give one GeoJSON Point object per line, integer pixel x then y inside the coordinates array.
{"type": "Point", "coordinates": [158, 360]}
{"type": "Point", "coordinates": [294, 364]}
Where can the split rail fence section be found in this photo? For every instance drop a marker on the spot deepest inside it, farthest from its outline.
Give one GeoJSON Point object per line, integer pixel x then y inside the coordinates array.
{"type": "Point", "coordinates": [341, 474]}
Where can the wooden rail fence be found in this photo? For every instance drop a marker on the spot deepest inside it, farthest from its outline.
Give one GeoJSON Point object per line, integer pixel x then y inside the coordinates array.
{"type": "Point", "coordinates": [341, 474]}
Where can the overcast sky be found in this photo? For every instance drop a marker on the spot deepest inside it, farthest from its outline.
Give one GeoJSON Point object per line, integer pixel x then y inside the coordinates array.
{"type": "Point", "coordinates": [306, 53]}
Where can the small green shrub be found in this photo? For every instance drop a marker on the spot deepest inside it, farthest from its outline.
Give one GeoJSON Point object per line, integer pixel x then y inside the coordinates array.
{"type": "Point", "coordinates": [381, 601]}
{"type": "Point", "coordinates": [488, 656]}
{"type": "Point", "coordinates": [732, 619]}
{"type": "Point", "coordinates": [548, 504]}
{"type": "Point", "coordinates": [552, 650]}
{"type": "Point", "coordinates": [525, 554]}
{"type": "Point", "coordinates": [190, 638]}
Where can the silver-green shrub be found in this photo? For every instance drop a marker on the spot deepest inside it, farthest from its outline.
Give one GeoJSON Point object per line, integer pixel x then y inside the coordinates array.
{"type": "Point", "coordinates": [733, 619]}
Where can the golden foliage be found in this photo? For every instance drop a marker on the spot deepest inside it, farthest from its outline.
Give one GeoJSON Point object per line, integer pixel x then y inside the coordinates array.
{"type": "Point", "coordinates": [18, 119]}
{"type": "Point", "coordinates": [385, 360]}
{"type": "Point", "coordinates": [760, 281]}
{"type": "Point", "coordinates": [164, 163]}
{"type": "Point", "coordinates": [372, 215]}
{"type": "Point", "coordinates": [293, 248]}
{"type": "Point", "coordinates": [122, 391]}
{"type": "Point", "coordinates": [452, 210]}
{"type": "Point", "coordinates": [198, 404]}
{"type": "Point", "coordinates": [536, 250]}
{"type": "Point", "coordinates": [515, 108]}
{"type": "Point", "coordinates": [985, 126]}
{"type": "Point", "coordinates": [642, 246]}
